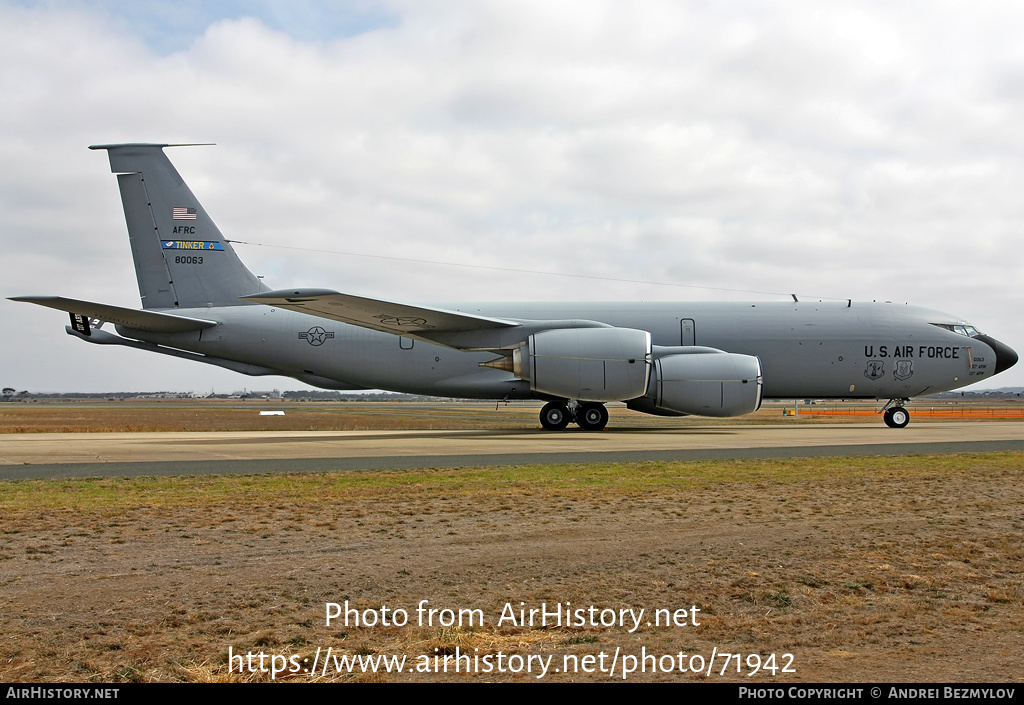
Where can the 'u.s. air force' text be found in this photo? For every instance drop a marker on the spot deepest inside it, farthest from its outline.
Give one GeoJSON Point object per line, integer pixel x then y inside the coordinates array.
{"type": "Point", "coordinates": [945, 352]}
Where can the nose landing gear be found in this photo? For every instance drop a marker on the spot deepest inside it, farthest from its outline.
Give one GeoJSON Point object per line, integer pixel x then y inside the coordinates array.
{"type": "Point", "coordinates": [895, 414]}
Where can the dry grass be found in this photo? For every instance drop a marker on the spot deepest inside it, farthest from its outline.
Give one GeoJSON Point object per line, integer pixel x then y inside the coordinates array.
{"type": "Point", "coordinates": [881, 568]}
{"type": "Point", "coordinates": [504, 484]}
{"type": "Point", "coordinates": [233, 415]}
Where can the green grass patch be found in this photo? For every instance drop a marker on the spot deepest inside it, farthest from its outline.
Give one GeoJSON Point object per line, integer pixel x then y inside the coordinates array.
{"type": "Point", "coordinates": [570, 481]}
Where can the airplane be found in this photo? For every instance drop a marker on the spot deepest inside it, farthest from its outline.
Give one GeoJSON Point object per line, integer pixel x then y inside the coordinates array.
{"type": "Point", "coordinates": [719, 359]}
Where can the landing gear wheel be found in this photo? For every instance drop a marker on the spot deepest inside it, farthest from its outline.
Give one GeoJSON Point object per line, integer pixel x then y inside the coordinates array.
{"type": "Point", "coordinates": [896, 417]}
{"type": "Point", "coordinates": [592, 416]}
{"type": "Point", "coordinates": [554, 416]}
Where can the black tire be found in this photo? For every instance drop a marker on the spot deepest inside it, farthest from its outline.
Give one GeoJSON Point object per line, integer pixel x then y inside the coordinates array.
{"type": "Point", "coordinates": [592, 416]}
{"type": "Point", "coordinates": [900, 417]}
{"type": "Point", "coordinates": [554, 416]}
{"type": "Point", "coordinates": [896, 417]}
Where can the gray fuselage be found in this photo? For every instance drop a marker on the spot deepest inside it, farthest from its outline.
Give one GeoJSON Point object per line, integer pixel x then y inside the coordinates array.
{"type": "Point", "coordinates": [819, 350]}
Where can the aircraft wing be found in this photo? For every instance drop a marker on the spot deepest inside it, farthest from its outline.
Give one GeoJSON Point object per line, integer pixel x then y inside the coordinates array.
{"type": "Point", "coordinates": [376, 314]}
{"type": "Point", "coordinates": [149, 321]}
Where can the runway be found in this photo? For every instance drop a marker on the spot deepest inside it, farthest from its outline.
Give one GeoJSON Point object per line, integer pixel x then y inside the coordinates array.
{"type": "Point", "coordinates": [62, 455]}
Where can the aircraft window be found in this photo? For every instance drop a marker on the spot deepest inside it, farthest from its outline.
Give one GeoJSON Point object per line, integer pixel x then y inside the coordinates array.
{"type": "Point", "coordinates": [968, 331]}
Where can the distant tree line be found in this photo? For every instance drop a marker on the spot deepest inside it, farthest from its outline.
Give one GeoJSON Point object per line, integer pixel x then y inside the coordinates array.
{"type": "Point", "coordinates": [10, 394]}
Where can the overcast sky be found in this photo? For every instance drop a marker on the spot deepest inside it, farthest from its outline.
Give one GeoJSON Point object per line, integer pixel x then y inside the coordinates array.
{"type": "Point", "coordinates": [864, 150]}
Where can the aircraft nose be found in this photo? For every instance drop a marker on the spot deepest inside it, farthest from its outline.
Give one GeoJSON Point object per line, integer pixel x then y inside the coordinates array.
{"type": "Point", "coordinates": [1006, 357]}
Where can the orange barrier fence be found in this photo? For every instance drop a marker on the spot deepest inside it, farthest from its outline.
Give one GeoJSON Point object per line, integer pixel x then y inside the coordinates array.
{"type": "Point", "coordinates": [965, 412]}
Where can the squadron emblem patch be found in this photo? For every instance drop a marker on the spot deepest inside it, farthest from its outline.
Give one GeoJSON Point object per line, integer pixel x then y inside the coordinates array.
{"type": "Point", "coordinates": [904, 370]}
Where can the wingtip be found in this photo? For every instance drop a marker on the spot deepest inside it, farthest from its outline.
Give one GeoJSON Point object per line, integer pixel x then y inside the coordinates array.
{"type": "Point", "coordinates": [151, 144]}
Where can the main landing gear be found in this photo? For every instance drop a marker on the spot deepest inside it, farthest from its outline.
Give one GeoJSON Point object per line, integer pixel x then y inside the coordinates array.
{"type": "Point", "coordinates": [590, 416]}
{"type": "Point", "coordinates": [555, 416]}
{"type": "Point", "coordinates": [895, 414]}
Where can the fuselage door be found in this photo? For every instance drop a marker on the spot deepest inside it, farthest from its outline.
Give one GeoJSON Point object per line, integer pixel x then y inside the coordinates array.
{"type": "Point", "coordinates": [686, 332]}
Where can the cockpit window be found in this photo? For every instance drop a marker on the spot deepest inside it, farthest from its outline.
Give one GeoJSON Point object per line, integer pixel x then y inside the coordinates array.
{"type": "Point", "coordinates": [959, 328]}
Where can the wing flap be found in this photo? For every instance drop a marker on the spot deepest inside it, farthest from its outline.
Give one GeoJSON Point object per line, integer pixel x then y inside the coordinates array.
{"type": "Point", "coordinates": [376, 314]}
{"type": "Point", "coordinates": [149, 321]}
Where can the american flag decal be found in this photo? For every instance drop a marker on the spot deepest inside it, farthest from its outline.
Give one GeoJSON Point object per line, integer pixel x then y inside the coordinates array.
{"type": "Point", "coordinates": [182, 213]}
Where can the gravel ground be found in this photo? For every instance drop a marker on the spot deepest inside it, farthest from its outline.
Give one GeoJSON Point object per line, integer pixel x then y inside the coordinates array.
{"type": "Point", "coordinates": [903, 570]}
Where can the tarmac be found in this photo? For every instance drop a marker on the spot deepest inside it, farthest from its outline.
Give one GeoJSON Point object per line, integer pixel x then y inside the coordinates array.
{"type": "Point", "coordinates": [64, 455]}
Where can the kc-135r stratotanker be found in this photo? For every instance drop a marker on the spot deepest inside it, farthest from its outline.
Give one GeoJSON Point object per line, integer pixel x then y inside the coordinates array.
{"type": "Point", "coordinates": [199, 302]}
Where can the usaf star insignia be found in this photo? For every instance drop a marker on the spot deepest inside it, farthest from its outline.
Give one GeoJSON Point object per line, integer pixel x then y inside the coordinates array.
{"type": "Point", "coordinates": [316, 335]}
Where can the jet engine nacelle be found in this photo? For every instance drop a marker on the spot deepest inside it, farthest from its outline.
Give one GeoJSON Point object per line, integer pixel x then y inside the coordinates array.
{"type": "Point", "coordinates": [704, 384]}
{"type": "Point", "coordinates": [586, 364]}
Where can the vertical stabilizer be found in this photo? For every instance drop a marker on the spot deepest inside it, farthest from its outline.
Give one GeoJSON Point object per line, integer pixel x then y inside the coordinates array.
{"type": "Point", "coordinates": [181, 258]}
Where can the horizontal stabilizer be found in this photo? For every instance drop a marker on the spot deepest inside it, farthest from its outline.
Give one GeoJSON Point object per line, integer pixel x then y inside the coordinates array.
{"type": "Point", "coordinates": [384, 316]}
{"type": "Point", "coordinates": [149, 321]}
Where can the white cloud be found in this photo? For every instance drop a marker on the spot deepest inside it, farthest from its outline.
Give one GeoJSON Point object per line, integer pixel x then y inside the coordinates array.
{"type": "Point", "coordinates": [863, 150]}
